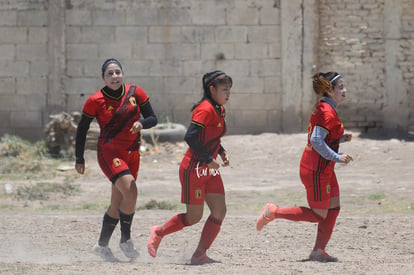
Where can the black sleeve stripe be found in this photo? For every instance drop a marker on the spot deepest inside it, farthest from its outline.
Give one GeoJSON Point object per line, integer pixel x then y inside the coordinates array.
{"type": "Point", "coordinates": [144, 103]}
{"type": "Point", "coordinates": [88, 115]}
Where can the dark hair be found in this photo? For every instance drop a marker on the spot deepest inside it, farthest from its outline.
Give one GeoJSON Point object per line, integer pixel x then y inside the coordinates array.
{"type": "Point", "coordinates": [213, 79]}
{"type": "Point", "coordinates": [324, 83]}
{"type": "Point", "coordinates": [110, 61]}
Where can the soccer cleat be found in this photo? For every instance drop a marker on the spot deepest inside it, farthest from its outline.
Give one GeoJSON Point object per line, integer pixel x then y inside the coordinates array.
{"type": "Point", "coordinates": [154, 241]}
{"type": "Point", "coordinates": [104, 252]}
{"type": "Point", "coordinates": [202, 259]}
{"type": "Point", "coordinates": [129, 249]}
{"type": "Point", "coordinates": [320, 255]}
{"type": "Point", "coordinates": [267, 216]}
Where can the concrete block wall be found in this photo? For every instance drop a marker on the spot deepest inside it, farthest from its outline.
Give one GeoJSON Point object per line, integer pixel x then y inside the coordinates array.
{"type": "Point", "coordinates": [370, 42]}
{"type": "Point", "coordinates": [166, 47]}
{"type": "Point", "coordinates": [52, 52]}
{"type": "Point", "coordinates": [23, 67]}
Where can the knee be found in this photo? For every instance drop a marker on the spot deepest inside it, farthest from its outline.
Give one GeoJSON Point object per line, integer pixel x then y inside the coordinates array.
{"type": "Point", "coordinates": [132, 192]}
{"type": "Point", "coordinates": [220, 213]}
{"type": "Point", "coordinates": [193, 218]}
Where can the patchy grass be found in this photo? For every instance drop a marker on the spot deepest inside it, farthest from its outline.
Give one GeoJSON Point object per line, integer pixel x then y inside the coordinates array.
{"type": "Point", "coordinates": [21, 159]}
{"type": "Point", "coordinates": [45, 191]}
{"type": "Point", "coordinates": [153, 204]}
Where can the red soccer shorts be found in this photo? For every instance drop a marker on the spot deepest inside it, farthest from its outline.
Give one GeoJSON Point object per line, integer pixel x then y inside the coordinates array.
{"type": "Point", "coordinates": [115, 162]}
{"type": "Point", "coordinates": [320, 187]}
{"type": "Point", "coordinates": [196, 181]}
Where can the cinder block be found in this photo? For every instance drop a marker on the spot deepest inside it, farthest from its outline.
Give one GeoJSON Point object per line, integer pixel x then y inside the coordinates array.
{"type": "Point", "coordinates": [197, 34]}
{"type": "Point", "coordinates": [251, 51]}
{"type": "Point", "coordinates": [26, 119]}
{"type": "Point", "coordinates": [174, 16]}
{"type": "Point", "coordinates": [76, 17]}
{"type": "Point", "coordinates": [270, 34]}
{"type": "Point", "coordinates": [97, 34]}
{"type": "Point", "coordinates": [39, 68]}
{"type": "Point", "coordinates": [180, 86]}
{"type": "Point", "coordinates": [242, 15]}
{"type": "Point", "coordinates": [266, 67]}
{"type": "Point", "coordinates": [207, 13]}
{"type": "Point", "coordinates": [127, 34]}
{"type": "Point", "coordinates": [8, 18]}
{"type": "Point", "coordinates": [82, 51]}
{"type": "Point", "coordinates": [217, 51]}
{"type": "Point", "coordinates": [7, 86]}
{"type": "Point", "coordinates": [7, 52]}
{"type": "Point", "coordinates": [164, 34]}
{"type": "Point", "coordinates": [232, 34]}
{"type": "Point", "coordinates": [269, 15]}
{"type": "Point", "coordinates": [81, 85]}
{"type": "Point", "coordinates": [142, 17]}
{"type": "Point", "coordinates": [32, 18]}
{"type": "Point", "coordinates": [31, 85]}
{"type": "Point", "coordinates": [123, 51]}
{"type": "Point", "coordinates": [36, 101]}
{"type": "Point", "coordinates": [16, 68]}
{"type": "Point", "coordinates": [38, 35]}
{"type": "Point", "coordinates": [167, 51]}
{"type": "Point", "coordinates": [4, 120]}
{"type": "Point", "coordinates": [108, 17]}
{"type": "Point", "coordinates": [31, 52]}
{"type": "Point", "coordinates": [247, 85]}
{"type": "Point", "coordinates": [14, 35]}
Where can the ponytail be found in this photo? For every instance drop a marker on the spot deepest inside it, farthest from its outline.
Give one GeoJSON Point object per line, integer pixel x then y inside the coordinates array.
{"type": "Point", "coordinates": [324, 83]}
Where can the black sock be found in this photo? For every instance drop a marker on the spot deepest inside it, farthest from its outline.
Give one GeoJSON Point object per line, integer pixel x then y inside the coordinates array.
{"type": "Point", "coordinates": [108, 226]}
{"type": "Point", "coordinates": [126, 221]}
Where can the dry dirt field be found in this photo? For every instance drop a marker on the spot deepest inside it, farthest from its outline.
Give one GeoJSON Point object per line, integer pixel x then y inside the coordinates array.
{"type": "Point", "coordinates": [374, 233]}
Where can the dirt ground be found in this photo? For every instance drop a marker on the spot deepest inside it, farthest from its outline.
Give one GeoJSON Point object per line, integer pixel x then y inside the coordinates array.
{"type": "Point", "coordinates": [374, 233]}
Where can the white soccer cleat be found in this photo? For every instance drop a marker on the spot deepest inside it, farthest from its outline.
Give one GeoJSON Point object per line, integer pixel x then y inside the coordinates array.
{"type": "Point", "coordinates": [104, 252]}
{"type": "Point", "coordinates": [129, 249]}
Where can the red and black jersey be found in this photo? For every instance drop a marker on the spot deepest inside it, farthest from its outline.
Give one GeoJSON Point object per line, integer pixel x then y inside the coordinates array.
{"type": "Point", "coordinates": [117, 115]}
{"type": "Point", "coordinates": [324, 116]}
{"type": "Point", "coordinates": [211, 118]}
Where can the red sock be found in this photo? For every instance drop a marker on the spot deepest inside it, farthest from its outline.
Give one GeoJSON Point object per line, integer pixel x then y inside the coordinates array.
{"type": "Point", "coordinates": [209, 234]}
{"type": "Point", "coordinates": [325, 229]}
{"type": "Point", "coordinates": [297, 214]}
{"type": "Point", "coordinates": [174, 224]}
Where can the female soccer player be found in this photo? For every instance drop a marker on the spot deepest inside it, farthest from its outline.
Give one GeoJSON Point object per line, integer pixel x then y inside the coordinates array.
{"type": "Point", "coordinates": [325, 132]}
{"type": "Point", "coordinates": [117, 107]}
{"type": "Point", "coordinates": [199, 170]}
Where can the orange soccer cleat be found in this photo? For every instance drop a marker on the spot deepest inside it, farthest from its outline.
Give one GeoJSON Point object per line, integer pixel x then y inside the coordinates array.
{"type": "Point", "coordinates": [267, 216]}
{"type": "Point", "coordinates": [320, 255]}
{"type": "Point", "coordinates": [154, 241]}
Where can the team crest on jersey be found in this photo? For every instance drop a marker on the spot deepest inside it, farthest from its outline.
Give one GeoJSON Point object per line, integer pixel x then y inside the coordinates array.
{"type": "Point", "coordinates": [219, 125]}
{"type": "Point", "coordinates": [198, 193]}
{"type": "Point", "coordinates": [110, 108]}
{"type": "Point", "coordinates": [132, 101]}
{"type": "Point", "coordinates": [328, 189]}
{"type": "Point", "coordinates": [116, 162]}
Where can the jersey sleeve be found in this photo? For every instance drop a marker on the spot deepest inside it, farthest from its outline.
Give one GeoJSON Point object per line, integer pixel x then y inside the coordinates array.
{"type": "Point", "coordinates": [141, 96]}
{"type": "Point", "coordinates": [325, 118]}
{"type": "Point", "coordinates": [90, 108]}
{"type": "Point", "coordinates": [201, 117]}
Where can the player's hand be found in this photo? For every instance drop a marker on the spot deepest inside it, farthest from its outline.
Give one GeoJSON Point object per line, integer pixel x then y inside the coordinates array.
{"type": "Point", "coordinates": [347, 137]}
{"type": "Point", "coordinates": [346, 159]}
{"type": "Point", "coordinates": [225, 157]}
{"type": "Point", "coordinates": [80, 168]}
{"type": "Point", "coordinates": [213, 164]}
{"type": "Point", "coordinates": [136, 127]}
